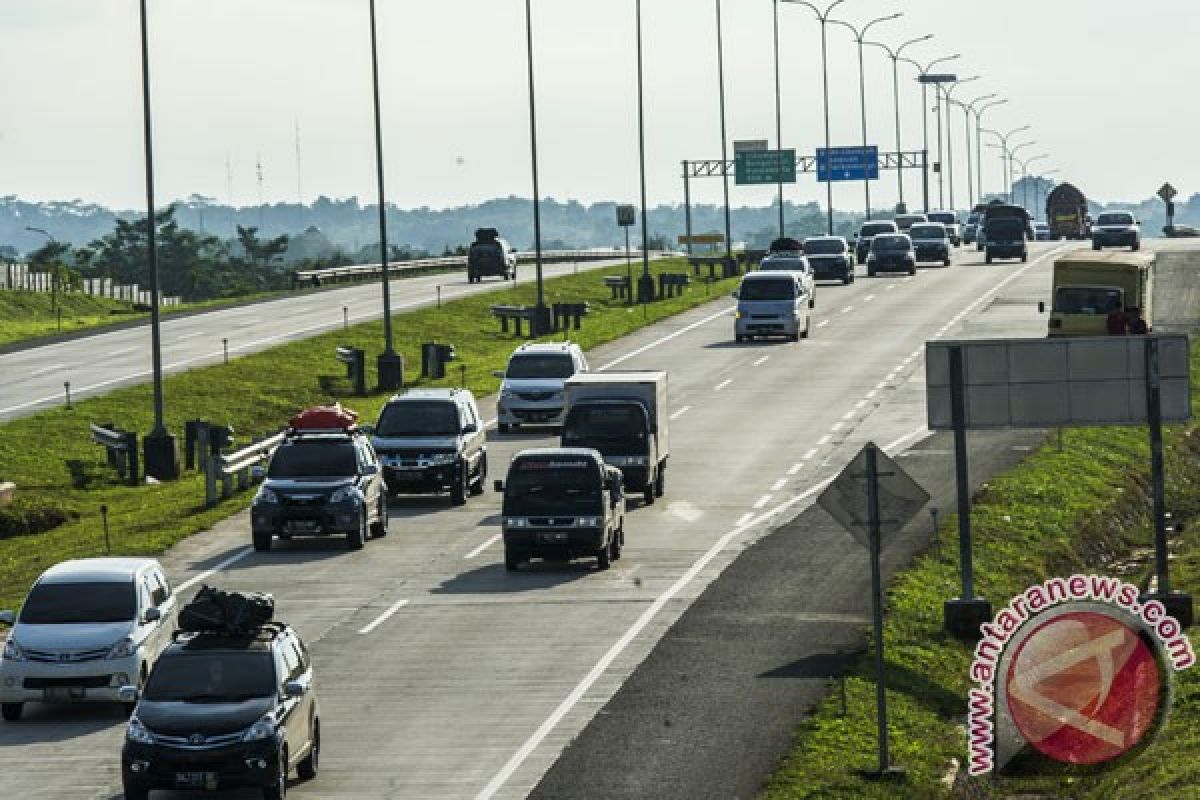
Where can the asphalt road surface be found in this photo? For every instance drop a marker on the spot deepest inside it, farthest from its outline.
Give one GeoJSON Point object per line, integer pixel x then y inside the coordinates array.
{"type": "Point", "coordinates": [442, 676]}
{"type": "Point", "coordinates": [34, 377]}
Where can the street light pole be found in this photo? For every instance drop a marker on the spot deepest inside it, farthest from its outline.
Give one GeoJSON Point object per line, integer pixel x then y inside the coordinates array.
{"type": "Point", "coordinates": [1004, 137]}
{"type": "Point", "coordinates": [778, 107]}
{"type": "Point", "coordinates": [823, 17]}
{"type": "Point", "coordinates": [645, 282]}
{"type": "Point", "coordinates": [968, 109]}
{"type": "Point", "coordinates": [1012, 158]}
{"type": "Point", "coordinates": [389, 365]}
{"type": "Point", "coordinates": [1037, 199]}
{"type": "Point", "coordinates": [894, 55]}
{"type": "Point", "coordinates": [859, 36]}
{"type": "Point", "coordinates": [948, 93]}
{"type": "Point", "coordinates": [541, 322]}
{"type": "Point", "coordinates": [1025, 181]}
{"type": "Point", "coordinates": [53, 275]}
{"type": "Point", "coordinates": [724, 134]}
{"type": "Point", "coordinates": [979, 143]}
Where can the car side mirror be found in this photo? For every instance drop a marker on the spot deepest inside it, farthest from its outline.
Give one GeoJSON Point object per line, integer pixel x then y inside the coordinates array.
{"type": "Point", "coordinates": [151, 615]}
{"type": "Point", "coordinates": [498, 486]}
{"type": "Point", "coordinates": [8, 618]}
{"type": "Point", "coordinates": [294, 689]}
{"type": "Point", "coordinates": [498, 373]}
{"type": "Point", "coordinates": [470, 427]}
{"type": "Point", "coordinates": [369, 430]}
{"type": "Point", "coordinates": [1041, 308]}
{"type": "Point", "coordinates": [128, 694]}
{"type": "Point", "coordinates": [370, 469]}
{"type": "Point", "coordinates": [258, 472]}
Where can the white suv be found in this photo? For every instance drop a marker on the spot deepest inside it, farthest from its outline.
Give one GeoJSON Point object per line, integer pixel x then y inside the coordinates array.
{"type": "Point", "coordinates": [87, 628]}
{"type": "Point", "coordinates": [532, 392]}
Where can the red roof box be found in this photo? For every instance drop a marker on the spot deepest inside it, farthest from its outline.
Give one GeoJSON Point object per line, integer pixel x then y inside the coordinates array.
{"type": "Point", "coordinates": [324, 418]}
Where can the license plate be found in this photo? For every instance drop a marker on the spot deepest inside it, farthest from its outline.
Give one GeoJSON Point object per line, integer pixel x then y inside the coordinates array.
{"type": "Point", "coordinates": [196, 780]}
{"type": "Point", "coordinates": [61, 694]}
{"type": "Point", "coordinates": [302, 526]}
{"type": "Point", "coordinates": [554, 537]}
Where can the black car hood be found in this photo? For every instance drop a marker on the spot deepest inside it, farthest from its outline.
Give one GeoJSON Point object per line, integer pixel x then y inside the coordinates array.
{"type": "Point", "coordinates": [209, 719]}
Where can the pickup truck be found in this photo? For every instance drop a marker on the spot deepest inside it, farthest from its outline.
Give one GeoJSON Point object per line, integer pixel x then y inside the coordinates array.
{"type": "Point", "coordinates": [623, 415]}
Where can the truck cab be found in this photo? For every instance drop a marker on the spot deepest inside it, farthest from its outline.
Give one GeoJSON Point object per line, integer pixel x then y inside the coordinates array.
{"type": "Point", "coordinates": [1088, 286]}
{"type": "Point", "coordinates": [560, 504]}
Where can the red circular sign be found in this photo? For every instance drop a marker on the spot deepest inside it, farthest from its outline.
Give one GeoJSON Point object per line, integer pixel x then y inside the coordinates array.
{"type": "Point", "coordinates": [1084, 688]}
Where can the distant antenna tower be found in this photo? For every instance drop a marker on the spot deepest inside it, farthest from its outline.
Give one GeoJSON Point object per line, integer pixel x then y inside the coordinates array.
{"type": "Point", "coordinates": [299, 177]}
{"type": "Point", "coordinates": [258, 169]}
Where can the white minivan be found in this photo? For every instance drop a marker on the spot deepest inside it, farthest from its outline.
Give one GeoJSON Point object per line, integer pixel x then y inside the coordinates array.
{"type": "Point", "coordinates": [772, 304]}
{"type": "Point", "coordinates": [87, 628]}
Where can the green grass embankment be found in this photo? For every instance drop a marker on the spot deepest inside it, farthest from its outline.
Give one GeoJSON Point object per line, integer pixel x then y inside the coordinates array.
{"type": "Point", "coordinates": [1085, 508]}
{"type": "Point", "coordinates": [31, 315]}
{"type": "Point", "coordinates": [51, 459]}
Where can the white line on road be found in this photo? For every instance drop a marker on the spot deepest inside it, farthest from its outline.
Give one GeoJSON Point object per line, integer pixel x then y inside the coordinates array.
{"type": "Point", "coordinates": [762, 361]}
{"type": "Point", "coordinates": [871, 394]}
{"type": "Point", "coordinates": [824, 440]}
{"type": "Point", "coordinates": [382, 618]}
{"type": "Point", "coordinates": [811, 454]}
{"type": "Point", "coordinates": [837, 426]}
{"type": "Point", "coordinates": [822, 324]}
{"type": "Point", "coordinates": [491, 541]}
{"type": "Point", "coordinates": [847, 309]}
{"type": "Point", "coordinates": [44, 370]}
{"type": "Point", "coordinates": [796, 468]}
{"type": "Point", "coordinates": [124, 351]}
{"type": "Point", "coordinates": [226, 564]}
{"type": "Point", "coordinates": [722, 385]}
{"type": "Point", "coordinates": [762, 502]}
{"type": "Point", "coordinates": [849, 415]}
{"type": "Point", "coordinates": [185, 336]}
{"type": "Point", "coordinates": [859, 405]}
{"type": "Point", "coordinates": [744, 520]}
{"type": "Point", "coordinates": [680, 413]}
{"type": "Point", "coordinates": [667, 338]}
{"type": "Point", "coordinates": [868, 298]}
{"type": "Point", "coordinates": [891, 286]}
{"type": "Point", "coordinates": [572, 699]}
{"type": "Point", "coordinates": [779, 484]}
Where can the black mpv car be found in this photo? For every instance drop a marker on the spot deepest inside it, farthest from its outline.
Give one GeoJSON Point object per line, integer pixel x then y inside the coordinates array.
{"type": "Point", "coordinates": [222, 711]}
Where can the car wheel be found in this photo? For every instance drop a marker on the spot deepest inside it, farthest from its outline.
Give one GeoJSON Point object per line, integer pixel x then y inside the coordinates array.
{"type": "Point", "coordinates": [912, 270]}
{"type": "Point", "coordinates": [278, 789]}
{"type": "Point", "coordinates": [604, 557]}
{"type": "Point", "coordinates": [307, 769]}
{"type": "Point", "coordinates": [11, 711]}
{"type": "Point", "coordinates": [1024, 258]}
{"type": "Point", "coordinates": [614, 547]}
{"type": "Point", "coordinates": [262, 541]}
{"type": "Point", "coordinates": [504, 428]}
{"type": "Point", "coordinates": [812, 301]}
{"type": "Point", "coordinates": [648, 495]}
{"type": "Point", "coordinates": [480, 484]}
{"type": "Point", "coordinates": [618, 541]}
{"type": "Point", "coordinates": [988, 259]}
{"type": "Point", "coordinates": [511, 560]}
{"type": "Point", "coordinates": [795, 337]}
{"type": "Point", "coordinates": [847, 279]}
{"type": "Point", "coordinates": [358, 537]}
{"type": "Point", "coordinates": [870, 273]}
{"type": "Point", "coordinates": [129, 708]}
{"type": "Point", "coordinates": [660, 482]}
{"type": "Point", "coordinates": [946, 263]}
{"type": "Point", "coordinates": [1136, 246]}
{"type": "Point", "coordinates": [379, 528]}
{"type": "Point", "coordinates": [458, 492]}
{"type": "Point", "coordinates": [133, 792]}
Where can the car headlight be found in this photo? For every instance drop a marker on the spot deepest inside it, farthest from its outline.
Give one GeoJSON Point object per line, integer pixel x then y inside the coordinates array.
{"type": "Point", "coordinates": [344, 494]}
{"type": "Point", "coordinates": [137, 733]}
{"type": "Point", "coordinates": [517, 522]}
{"type": "Point", "coordinates": [442, 459]}
{"type": "Point", "coordinates": [263, 729]}
{"type": "Point", "coordinates": [737, 315]}
{"type": "Point", "coordinates": [266, 495]}
{"type": "Point", "coordinates": [122, 649]}
{"type": "Point", "coordinates": [13, 651]}
{"type": "Point", "coordinates": [588, 522]}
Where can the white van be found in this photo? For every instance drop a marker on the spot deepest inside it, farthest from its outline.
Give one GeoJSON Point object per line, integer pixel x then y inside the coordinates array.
{"type": "Point", "coordinates": [772, 304]}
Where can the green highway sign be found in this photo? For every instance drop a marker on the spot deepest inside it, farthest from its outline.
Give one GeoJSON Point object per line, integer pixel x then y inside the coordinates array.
{"type": "Point", "coordinates": [753, 167]}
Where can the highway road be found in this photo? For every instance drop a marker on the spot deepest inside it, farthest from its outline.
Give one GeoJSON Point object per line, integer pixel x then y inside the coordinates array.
{"type": "Point", "coordinates": [442, 676]}
{"type": "Point", "coordinates": [33, 378]}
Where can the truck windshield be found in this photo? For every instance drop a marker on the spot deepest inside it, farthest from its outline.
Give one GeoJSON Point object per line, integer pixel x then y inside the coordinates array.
{"type": "Point", "coordinates": [1087, 300]}
{"type": "Point", "coordinates": [781, 265]}
{"type": "Point", "coordinates": [314, 459]}
{"type": "Point", "coordinates": [607, 422]}
{"type": "Point", "coordinates": [825, 247]}
{"type": "Point", "coordinates": [410, 418]}
{"type": "Point", "coordinates": [558, 486]}
{"type": "Point", "coordinates": [781, 289]}
{"type": "Point", "coordinates": [541, 366]}
{"type": "Point", "coordinates": [74, 603]}
{"type": "Point", "coordinates": [214, 677]}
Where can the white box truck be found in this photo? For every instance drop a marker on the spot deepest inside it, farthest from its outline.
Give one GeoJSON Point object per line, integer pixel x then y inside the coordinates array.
{"type": "Point", "coordinates": [624, 416]}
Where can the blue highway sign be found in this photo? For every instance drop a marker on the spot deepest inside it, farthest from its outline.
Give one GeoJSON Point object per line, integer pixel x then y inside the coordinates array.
{"type": "Point", "coordinates": [847, 164]}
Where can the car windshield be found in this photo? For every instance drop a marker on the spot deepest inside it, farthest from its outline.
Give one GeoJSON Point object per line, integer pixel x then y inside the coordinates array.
{"type": "Point", "coordinates": [541, 366]}
{"type": "Point", "coordinates": [560, 485]}
{"type": "Point", "coordinates": [779, 289]}
{"type": "Point", "coordinates": [781, 265]}
{"type": "Point", "coordinates": [876, 228]}
{"type": "Point", "coordinates": [1087, 300]}
{"type": "Point", "coordinates": [605, 422]}
{"type": "Point", "coordinates": [72, 603]}
{"type": "Point", "coordinates": [1115, 219]}
{"type": "Point", "coordinates": [212, 677]}
{"type": "Point", "coordinates": [825, 247]}
{"type": "Point", "coordinates": [418, 418]}
{"type": "Point", "coordinates": [314, 459]}
{"type": "Point", "coordinates": [928, 232]}
{"type": "Point", "coordinates": [890, 243]}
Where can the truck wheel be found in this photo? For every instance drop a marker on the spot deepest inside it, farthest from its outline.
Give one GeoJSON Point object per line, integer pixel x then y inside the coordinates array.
{"type": "Point", "coordinates": [511, 560]}
{"type": "Point", "coordinates": [1095, 245]}
{"type": "Point", "coordinates": [604, 557]}
{"type": "Point", "coordinates": [648, 495]}
{"type": "Point", "coordinates": [988, 259]}
{"type": "Point", "coordinates": [262, 541]}
{"type": "Point", "coordinates": [1024, 258]}
{"type": "Point", "coordinates": [1136, 246]}
{"type": "Point", "coordinates": [11, 711]}
{"type": "Point", "coordinates": [660, 482]}
{"type": "Point", "coordinates": [462, 481]}
{"type": "Point", "coordinates": [135, 792]}
{"type": "Point", "coordinates": [946, 263]}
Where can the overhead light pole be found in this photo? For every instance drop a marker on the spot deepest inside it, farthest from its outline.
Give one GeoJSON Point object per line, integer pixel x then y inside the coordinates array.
{"type": "Point", "coordinates": [724, 134]}
{"type": "Point", "coordinates": [389, 365]}
{"type": "Point", "coordinates": [1004, 149]}
{"type": "Point", "coordinates": [778, 104]}
{"type": "Point", "coordinates": [860, 37]}
{"type": "Point", "coordinates": [925, 73]}
{"type": "Point", "coordinates": [1012, 156]}
{"type": "Point", "coordinates": [1025, 180]}
{"type": "Point", "coordinates": [54, 275]}
{"type": "Point", "coordinates": [968, 109]}
{"type": "Point", "coordinates": [948, 94]}
{"type": "Point", "coordinates": [894, 55]}
{"type": "Point", "coordinates": [823, 17]}
{"type": "Point", "coordinates": [541, 320]}
{"type": "Point", "coordinates": [1037, 199]}
{"type": "Point", "coordinates": [645, 282]}
{"type": "Point", "coordinates": [159, 449]}
{"type": "Point", "coordinates": [983, 109]}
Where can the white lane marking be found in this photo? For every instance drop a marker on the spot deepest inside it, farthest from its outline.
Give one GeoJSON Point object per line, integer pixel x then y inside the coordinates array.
{"type": "Point", "coordinates": [849, 415]}
{"type": "Point", "coordinates": [680, 413]}
{"type": "Point", "coordinates": [811, 454]}
{"type": "Point", "coordinates": [183, 337]}
{"type": "Point", "coordinates": [491, 541]}
{"type": "Point", "coordinates": [660, 602]}
{"type": "Point", "coordinates": [822, 323]}
{"type": "Point", "coordinates": [868, 298]}
{"type": "Point", "coordinates": [795, 469]}
{"type": "Point", "coordinates": [762, 361]}
{"type": "Point", "coordinates": [824, 440]}
{"type": "Point", "coordinates": [847, 309]}
{"type": "Point", "coordinates": [686, 329]}
{"type": "Point", "coordinates": [233, 559]}
{"type": "Point", "coordinates": [837, 426]}
{"type": "Point", "coordinates": [124, 351]}
{"type": "Point", "coordinates": [44, 370]}
{"type": "Point", "coordinates": [779, 484]}
{"type": "Point", "coordinates": [722, 385]}
{"type": "Point", "coordinates": [762, 502]}
{"type": "Point", "coordinates": [871, 394]}
{"type": "Point", "coordinates": [859, 405]}
{"type": "Point", "coordinates": [891, 286]}
{"type": "Point", "coordinates": [382, 618]}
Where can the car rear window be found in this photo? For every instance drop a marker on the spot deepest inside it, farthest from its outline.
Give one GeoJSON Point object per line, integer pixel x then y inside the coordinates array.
{"type": "Point", "coordinates": [1115, 219]}
{"type": "Point", "coordinates": [782, 264]}
{"type": "Point", "coordinates": [891, 242]}
{"type": "Point", "coordinates": [928, 232]}
{"type": "Point", "coordinates": [824, 247]}
{"type": "Point", "coordinates": [876, 228]}
{"type": "Point", "coordinates": [73, 603]}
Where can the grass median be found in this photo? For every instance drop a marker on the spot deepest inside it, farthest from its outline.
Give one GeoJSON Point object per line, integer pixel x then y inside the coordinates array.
{"type": "Point", "coordinates": [1082, 508]}
{"type": "Point", "coordinates": [50, 457]}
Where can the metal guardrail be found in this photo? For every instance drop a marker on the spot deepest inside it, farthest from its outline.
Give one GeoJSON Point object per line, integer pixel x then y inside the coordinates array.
{"type": "Point", "coordinates": [319, 277]}
{"type": "Point", "coordinates": [121, 448]}
{"type": "Point", "coordinates": [235, 466]}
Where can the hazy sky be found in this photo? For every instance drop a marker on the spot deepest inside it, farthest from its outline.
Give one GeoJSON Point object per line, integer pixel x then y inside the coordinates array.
{"type": "Point", "coordinates": [1108, 86]}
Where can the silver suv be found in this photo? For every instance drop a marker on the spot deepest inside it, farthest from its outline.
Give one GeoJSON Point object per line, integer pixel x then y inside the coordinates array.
{"type": "Point", "coordinates": [87, 628]}
{"type": "Point", "coordinates": [532, 392]}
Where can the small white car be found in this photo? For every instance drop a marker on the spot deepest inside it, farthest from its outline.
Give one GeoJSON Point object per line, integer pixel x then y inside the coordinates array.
{"type": "Point", "coordinates": [533, 389]}
{"type": "Point", "coordinates": [87, 628]}
{"type": "Point", "coordinates": [771, 304]}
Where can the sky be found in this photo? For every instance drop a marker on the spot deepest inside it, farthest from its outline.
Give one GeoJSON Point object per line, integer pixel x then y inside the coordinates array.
{"type": "Point", "coordinates": [1107, 87]}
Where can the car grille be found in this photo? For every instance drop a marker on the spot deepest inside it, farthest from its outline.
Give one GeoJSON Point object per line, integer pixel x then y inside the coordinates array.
{"type": "Point", "coordinates": [82, 682]}
{"type": "Point", "coordinates": [199, 741]}
{"type": "Point", "coordinates": [66, 657]}
{"type": "Point", "coordinates": [410, 458]}
{"type": "Point", "coordinates": [303, 500]}
{"type": "Point", "coordinates": [535, 397]}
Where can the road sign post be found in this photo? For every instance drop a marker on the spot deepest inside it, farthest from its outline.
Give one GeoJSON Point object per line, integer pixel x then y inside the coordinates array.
{"type": "Point", "coordinates": [1168, 193]}
{"type": "Point", "coordinates": [627, 218]}
{"type": "Point", "coordinates": [891, 499]}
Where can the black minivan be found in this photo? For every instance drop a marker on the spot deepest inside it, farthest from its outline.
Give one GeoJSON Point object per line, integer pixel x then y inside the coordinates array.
{"type": "Point", "coordinates": [224, 711]}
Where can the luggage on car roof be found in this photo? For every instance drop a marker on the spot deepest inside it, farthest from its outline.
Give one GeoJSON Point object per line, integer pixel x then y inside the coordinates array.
{"type": "Point", "coordinates": [216, 610]}
{"type": "Point", "coordinates": [333, 417]}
